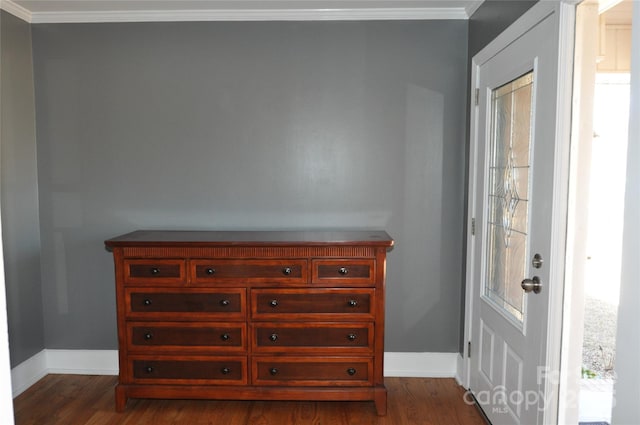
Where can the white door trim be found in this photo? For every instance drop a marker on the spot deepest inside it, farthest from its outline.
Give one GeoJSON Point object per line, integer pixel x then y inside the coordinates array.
{"type": "Point", "coordinates": [6, 400]}
{"type": "Point", "coordinates": [562, 171]}
{"type": "Point", "coordinates": [539, 11]}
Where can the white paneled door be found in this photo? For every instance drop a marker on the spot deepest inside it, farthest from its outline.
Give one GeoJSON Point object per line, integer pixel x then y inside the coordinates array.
{"type": "Point", "coordinates": [513, 174]}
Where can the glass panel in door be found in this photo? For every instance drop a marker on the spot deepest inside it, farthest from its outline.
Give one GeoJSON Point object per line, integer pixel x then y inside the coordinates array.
{"type": "Point", "coordinates": [508, 195]}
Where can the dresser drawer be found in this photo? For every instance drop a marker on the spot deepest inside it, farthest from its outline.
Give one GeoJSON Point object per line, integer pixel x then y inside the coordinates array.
{"type": "Point", "coordinates": [347, 272]}
{"type": "Point", "coordinates": [313, 304]}
{"type": "Point", "coordinates": [282, 271]}
{"type": "Point", "coordinates": [331, 338]}
{"type": "Point", "coordinates": [153, 272]}
{"type": "Point", "coordinates": [193, 370]}
{"type": "Point", "coordinates": [191, 304]}
{"type": "Point", "coordinates": [307, 371]}
{"type": "Point", "coordinates": [186, 337]}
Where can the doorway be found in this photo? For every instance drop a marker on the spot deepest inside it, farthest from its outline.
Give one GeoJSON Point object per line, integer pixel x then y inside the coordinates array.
{"type": "Point", "coordinates": [603, 236]}
{"type": "Point", "coordinates": [572, 334]}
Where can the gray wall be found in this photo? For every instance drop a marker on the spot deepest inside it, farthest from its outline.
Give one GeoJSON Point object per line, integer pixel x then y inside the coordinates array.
{"type": "Point", "coordinates": [19, 191]}
{"type": "Point", "coordinates": [252, 125]}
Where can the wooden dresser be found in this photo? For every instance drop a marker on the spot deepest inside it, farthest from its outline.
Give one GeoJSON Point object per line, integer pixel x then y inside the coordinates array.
{"type": "Point", "coordinates": [251, 315]}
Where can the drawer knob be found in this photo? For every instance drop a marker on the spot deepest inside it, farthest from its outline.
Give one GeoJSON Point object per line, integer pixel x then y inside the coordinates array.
{"type": "Point", "coordinates": [225, 337]}
{"type": "Point", "coordinates": [147, 301]}
{"type": "Point", "coordinates": [273, 371]}
{"type": "Point", "coordinates": [352, 337]}
{"type": "Point", "coordinates": [273, 303]}
{"type": "Point", "coordinates": [148, 336]}
{"type": "Point", "coordinates": [351, 371]}
{"type": "Point", "coordinates": [273, 337]}
{"type": "Point", "coordinates": [155, 270]}
{"type": "Point", "coordinates": [210, 271]}
{"type": "Point", "coordinates": [148, 369]}
{"type": "Point", "coordinates": [225, 303]}
{"type": "Point", "coordinates": [286, 271]}
{"type": "Point", "coordinates": [225, 370]}
{"type": "Point", "coordinates": [343, 271]}
{"type": "Point", "coordinates": [353, 303]}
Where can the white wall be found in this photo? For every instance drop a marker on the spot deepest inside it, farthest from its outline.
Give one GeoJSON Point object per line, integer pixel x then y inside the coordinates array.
{"type": "Point", "coordinates": [627, 389]}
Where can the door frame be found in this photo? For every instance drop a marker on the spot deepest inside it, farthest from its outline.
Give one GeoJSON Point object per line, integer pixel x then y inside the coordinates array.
{"type": "Point", "coordinates": [566, 11]}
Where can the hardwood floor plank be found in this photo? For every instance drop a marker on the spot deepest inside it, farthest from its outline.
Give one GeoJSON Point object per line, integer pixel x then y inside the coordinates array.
{"type": "Point", "coordinates": [90, 400]}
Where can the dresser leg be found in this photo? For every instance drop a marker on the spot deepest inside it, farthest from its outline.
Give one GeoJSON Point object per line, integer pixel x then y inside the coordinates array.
{"type": "Point", "coordinates": [381, 401]}
{"type": "Point", "coordinates": [121, 399]}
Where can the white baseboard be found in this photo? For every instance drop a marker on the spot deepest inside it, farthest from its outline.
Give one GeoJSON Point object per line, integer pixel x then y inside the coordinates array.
{"type": "Point", "coordinates": [73, 362]}
{"type": "Point", "coordinates": [28, 373]}
{"type": "Point", "coordinates": [460, 370]}
{"type": "Point", "coordinates": [83, 362]}
{"type": "Point", "coordinates": [105, 362]}
{"type": "Point", "coordinates": [421, 365]}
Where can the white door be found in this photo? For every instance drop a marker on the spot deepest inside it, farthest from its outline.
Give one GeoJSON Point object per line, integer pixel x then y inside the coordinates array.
{"type": "Point", "coordinates": [514, 189]}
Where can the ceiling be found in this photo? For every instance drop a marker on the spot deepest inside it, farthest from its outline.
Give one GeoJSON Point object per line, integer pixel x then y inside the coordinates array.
{"type": "Point", "coordinates": [617, 12]}
{"type": "Point", "coordinates": [39, 11]}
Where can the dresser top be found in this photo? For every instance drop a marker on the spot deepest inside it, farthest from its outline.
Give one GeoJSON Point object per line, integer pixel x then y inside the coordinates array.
{"type": "Point", "coordinates": [251, 238]}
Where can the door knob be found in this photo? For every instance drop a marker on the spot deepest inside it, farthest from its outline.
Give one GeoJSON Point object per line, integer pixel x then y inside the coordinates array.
{"type": "Point", "coordinates": [529, 285]}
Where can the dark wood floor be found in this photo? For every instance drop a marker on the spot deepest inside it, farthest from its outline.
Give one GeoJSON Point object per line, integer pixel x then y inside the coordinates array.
{"type": "Point", "coordinates": [79, 399]}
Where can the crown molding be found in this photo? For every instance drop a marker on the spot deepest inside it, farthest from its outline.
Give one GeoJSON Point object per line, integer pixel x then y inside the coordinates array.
{"type": "Point", "coordinates": [249, 15]}
{"type": "Point", "coordinates": [16, 10]}
{"type": "Point", "coordinates": [353, 14]}
{"type": "Point", "coordinates": [471, 9]}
